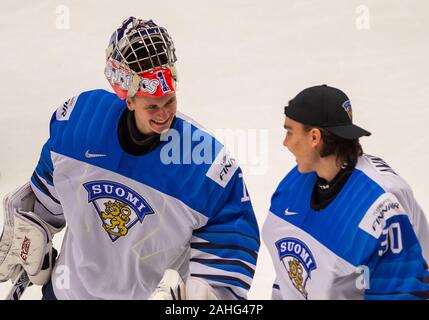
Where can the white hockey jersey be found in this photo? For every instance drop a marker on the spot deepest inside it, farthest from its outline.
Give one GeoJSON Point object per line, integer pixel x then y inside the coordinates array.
{"type": "Point", "coordinates": [370, 242]}
{"type": "Point", "coordinates": [129, 218]}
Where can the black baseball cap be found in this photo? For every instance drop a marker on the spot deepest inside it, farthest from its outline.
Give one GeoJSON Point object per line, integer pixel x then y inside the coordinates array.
{"type": "Point", "coordinates": [325, 107]}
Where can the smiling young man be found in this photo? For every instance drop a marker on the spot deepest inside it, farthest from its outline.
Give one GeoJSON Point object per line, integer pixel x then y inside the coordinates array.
{"type": "Point", "coordinates": [342, 224]}
{"type": "Point", "coordinates": [138, 227]}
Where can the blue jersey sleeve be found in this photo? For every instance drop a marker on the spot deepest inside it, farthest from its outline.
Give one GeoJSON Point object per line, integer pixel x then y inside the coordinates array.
{"type": "Point", "coordinates": [397, 268]}
{"type": "Point", "coordinates": [48, 205]}
{"type": "Point", "coordinates": [224, 251]}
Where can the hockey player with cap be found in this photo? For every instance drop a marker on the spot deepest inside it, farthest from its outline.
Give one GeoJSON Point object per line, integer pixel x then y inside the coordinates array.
{"type": "Point", "coordinates": [342, 224]}
{"type": "Point", "coordinates": [138, 225]}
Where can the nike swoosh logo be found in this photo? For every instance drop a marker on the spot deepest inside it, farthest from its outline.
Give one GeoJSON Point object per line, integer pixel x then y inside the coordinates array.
{"type": "Point", "coordinates": [94, 155]}
{"type": "Point", "coordinates": [290, 213]}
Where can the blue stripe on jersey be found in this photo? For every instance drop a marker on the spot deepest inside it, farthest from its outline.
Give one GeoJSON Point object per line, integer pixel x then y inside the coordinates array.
{"type": "Point", "coordinates": [224, 279]}
{"type": "Point", "coordinates": [227, 252]}
{"type": "Point", "coordinates": [39, 184]}
{"type": "Point", "coordinates": [93, 126]}
{"type": "Point", "coordinates": [341, 217]}
{"type": "Point", "coordinates": [228, 238]}
{"type": "Point", "coordinates": [216, 229]}
{"type": "Point", "coordinates": [227, 265]}
{"type": "Point", "coordinates": [45, 167]}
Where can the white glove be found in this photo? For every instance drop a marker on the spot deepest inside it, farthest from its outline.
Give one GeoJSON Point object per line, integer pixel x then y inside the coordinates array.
{"type": "Point", "coordinates": [199, 289]}
{"type": "Point", "coordinates": [26, 240]}
{"type": "Point", "coordinates": [172, 287]}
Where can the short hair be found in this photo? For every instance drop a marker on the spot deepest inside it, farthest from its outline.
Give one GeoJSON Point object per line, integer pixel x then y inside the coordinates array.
{"type": "Point", "coordinates": [345, 149]}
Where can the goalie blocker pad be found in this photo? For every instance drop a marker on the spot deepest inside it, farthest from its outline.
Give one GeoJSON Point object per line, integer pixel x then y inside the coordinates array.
{"type": "Point", "coordinates": [26, 240]}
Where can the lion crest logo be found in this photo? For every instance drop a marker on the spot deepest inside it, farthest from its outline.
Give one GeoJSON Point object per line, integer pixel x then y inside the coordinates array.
{"type": "Point", "coordinates": [118, 206]}
{"type": "Point", "coordinates": [118, 214]}
{"type": "Point", "coordinates": [298, 261]}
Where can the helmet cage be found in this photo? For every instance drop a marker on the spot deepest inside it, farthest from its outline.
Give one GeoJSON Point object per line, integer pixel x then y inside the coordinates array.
{"type": "Point", "coordinates": [136, 48]}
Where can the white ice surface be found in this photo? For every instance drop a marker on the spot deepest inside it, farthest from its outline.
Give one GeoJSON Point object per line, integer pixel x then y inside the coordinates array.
{"type": "Point", "coordinates": [240, 61]}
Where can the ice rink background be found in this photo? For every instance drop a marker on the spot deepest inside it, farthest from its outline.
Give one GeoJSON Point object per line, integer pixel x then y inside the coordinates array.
{"type": "Point", "coordinates": [239, 63]}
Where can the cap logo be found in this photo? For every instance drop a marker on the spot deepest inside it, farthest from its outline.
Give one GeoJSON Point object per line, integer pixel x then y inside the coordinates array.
{"type": "Point", "coordinates": [347, 106]}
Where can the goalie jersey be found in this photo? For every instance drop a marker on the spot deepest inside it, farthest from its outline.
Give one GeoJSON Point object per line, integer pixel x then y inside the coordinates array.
{"type": "Point", "coordinates": [370, 242]}
{"type": "Point", "coordinates": [129, 218]}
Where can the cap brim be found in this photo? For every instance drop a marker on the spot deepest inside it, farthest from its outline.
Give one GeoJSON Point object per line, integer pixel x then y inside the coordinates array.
{"type": "Point", "coordinates": [350, 131]}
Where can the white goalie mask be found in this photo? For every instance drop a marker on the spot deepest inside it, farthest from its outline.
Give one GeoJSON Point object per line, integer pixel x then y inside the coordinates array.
{"type": "Point", "coordinates": [140, 60]}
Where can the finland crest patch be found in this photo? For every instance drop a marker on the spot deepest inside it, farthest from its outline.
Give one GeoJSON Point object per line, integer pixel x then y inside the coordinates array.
{"type": "Point", "coordinates": [298, 261]}
{"type": "Point", "coordinates": [118, 206]}
{"type": "Point", "coordinates": [347, 106]}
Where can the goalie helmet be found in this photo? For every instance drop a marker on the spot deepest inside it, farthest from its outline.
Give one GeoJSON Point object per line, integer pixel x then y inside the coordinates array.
{"type": "Point", "coordinates": [140, 60]}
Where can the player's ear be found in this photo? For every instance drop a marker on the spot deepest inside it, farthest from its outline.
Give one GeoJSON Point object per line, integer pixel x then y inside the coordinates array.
{"type": "Point", "coordinates": [130, 103]}
{"type": "Point", "coordinates": [316, 137]}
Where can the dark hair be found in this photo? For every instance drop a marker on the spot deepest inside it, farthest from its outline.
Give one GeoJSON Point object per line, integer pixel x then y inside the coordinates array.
{"type": "Point", "coordinates": [344, 149]}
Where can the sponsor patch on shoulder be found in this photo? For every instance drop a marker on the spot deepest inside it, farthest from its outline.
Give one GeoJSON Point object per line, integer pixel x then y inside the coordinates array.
{"type": "Point", "coordinates": [380, 211]}
{"type": "Point", "coordinates": [223, 168]}
{"type": "Point", "coordinates": [64, 111]}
